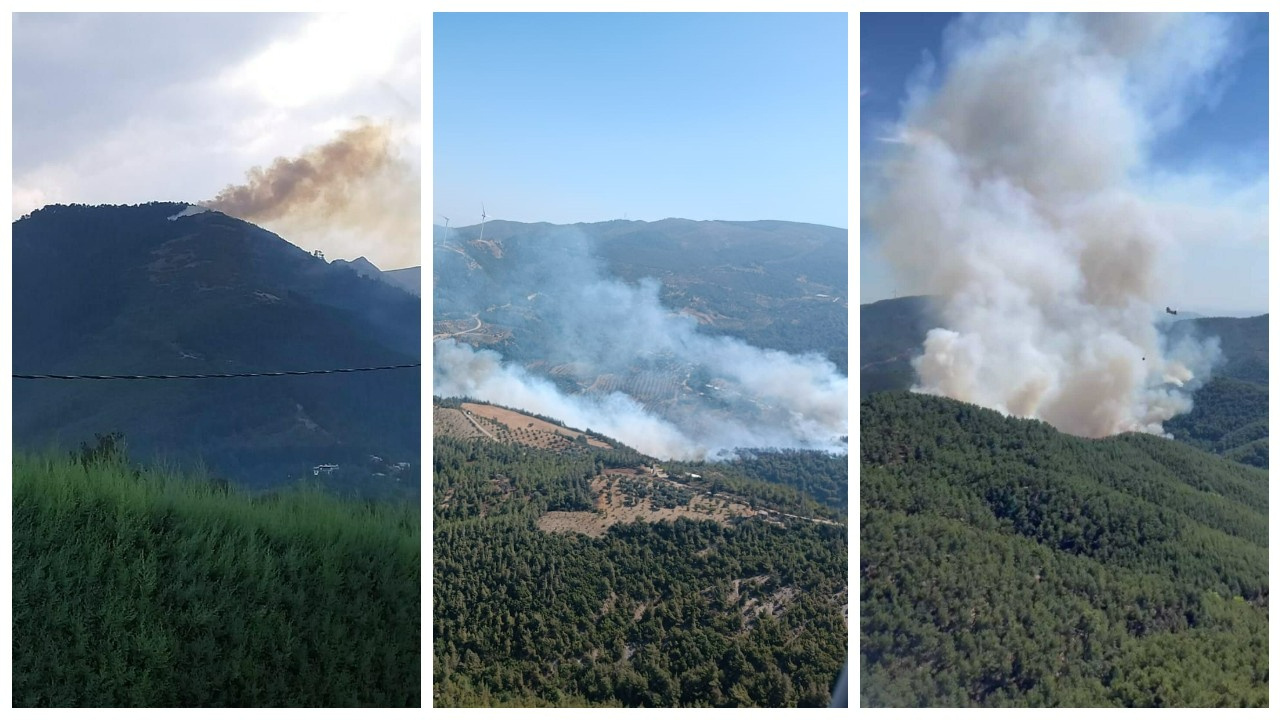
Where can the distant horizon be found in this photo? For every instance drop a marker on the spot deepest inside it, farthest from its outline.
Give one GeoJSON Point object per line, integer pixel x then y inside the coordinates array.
{"type": "Point", "coordinates": [624, 219]}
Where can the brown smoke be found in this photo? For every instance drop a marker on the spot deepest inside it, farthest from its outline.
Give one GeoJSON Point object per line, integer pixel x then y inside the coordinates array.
{"type": "Point", "coordinates": [1014, 193]}
{"type": "Point", "coordinates": [354, 195]}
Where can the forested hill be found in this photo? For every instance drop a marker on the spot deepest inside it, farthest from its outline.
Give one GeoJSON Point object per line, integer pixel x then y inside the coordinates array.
{"type": "Point", "coordinates": [1004, 563]}
{"type": "Point", "coordinates": [570, 570]}
{"type": "Point", "coordinates": [1230, 413]}
{"type": "Point", "coordinates": [1229, 418]}
{"type": "Point", "coordinates": [890, 334]}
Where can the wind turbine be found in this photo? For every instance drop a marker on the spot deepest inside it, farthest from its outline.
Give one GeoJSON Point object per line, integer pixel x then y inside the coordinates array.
{"type": "Point", "coordinates": [482, 217]}
{"type": "Point", "coordinates": [446, 227]}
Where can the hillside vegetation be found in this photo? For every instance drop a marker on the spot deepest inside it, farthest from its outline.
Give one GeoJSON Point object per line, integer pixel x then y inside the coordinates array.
{"type": "Point", "coordinates": [140, 588]}
{"type": "Point", "coordinates": [744, 606]}
{"type": "Point", "coordinates": [1006, 564]}
{"type": "Point", "coordinates": [1229, 418]}
{"type": "Point", "coordinates": [822, 476]}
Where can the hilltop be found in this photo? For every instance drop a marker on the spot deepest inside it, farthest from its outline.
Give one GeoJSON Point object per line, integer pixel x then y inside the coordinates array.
{"type": "Point", "coordinates": [1007, 564]}
{"type": "Point", "coordinates": [408, 279]}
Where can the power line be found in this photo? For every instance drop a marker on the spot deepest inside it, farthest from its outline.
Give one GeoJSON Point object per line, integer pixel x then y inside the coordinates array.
{"type": "Point", "coordinates": [207, 376]}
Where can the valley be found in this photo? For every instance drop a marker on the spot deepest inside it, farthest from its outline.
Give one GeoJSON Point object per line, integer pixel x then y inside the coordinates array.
{"type": "Point", "coordinates": [703, 328]}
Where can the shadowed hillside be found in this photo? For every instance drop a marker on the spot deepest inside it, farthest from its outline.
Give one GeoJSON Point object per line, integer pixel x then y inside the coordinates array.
{"type": "Point", "coordinates": [128, 290]}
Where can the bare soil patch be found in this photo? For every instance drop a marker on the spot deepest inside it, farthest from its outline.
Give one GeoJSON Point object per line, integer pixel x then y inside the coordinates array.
{"type": "Point", "coordinates": [587, 523]}
{"type": "Point", "coordinates": [613, 507]}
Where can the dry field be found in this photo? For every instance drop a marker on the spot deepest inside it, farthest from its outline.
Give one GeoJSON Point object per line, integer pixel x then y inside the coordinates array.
{"type": "Point", "coordinates": [451, 422]}
{"type": "Point", "coordinates": [526, 429]}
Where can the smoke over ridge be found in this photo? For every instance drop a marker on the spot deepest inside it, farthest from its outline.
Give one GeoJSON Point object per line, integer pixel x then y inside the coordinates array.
{"type": "Point", "coordinates": [1014, 193]}
{"type": "Point", "coordinates": [353, 192]}
{"type": "Point", "coordinates": [599, 353]}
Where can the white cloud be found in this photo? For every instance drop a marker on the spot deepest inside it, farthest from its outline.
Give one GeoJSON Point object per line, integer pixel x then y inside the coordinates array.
{"type": "Point", "coordinates": [130, 108]}
{"type": "Point", "coordinates": [328, 57]}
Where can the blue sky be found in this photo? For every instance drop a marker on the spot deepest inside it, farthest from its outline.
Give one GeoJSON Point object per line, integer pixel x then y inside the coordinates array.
{"type": "Point", "coordinates": [1221, 141]}
{"type": "Point", "coordinates": [566, 117]}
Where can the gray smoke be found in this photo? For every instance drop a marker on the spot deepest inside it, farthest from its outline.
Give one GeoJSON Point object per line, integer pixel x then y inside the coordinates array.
{"type": "Point", "coordinates": [356, 193]}
{"type": "Point", "coordinates": [1014, 192]}
{"type": "Point", "coordinates": [602, 354]}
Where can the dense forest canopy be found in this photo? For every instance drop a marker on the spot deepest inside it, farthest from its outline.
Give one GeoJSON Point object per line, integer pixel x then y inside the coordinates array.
{"type": "Point", "coordinates": [747, 611]}
{"type": "Point", "coordinates": [1004, 563]}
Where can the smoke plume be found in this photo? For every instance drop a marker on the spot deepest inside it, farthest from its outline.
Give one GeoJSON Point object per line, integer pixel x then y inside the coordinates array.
{"type": "Point", "coordinates": [1013, 193]}
{"type": "Point", "coordinates": [602, 354]}
{"type": "Point", "coordinates": [356, 195]}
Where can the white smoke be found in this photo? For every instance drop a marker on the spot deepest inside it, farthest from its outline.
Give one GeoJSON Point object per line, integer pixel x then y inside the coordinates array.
{"type": "Point", "coordinates": [1017, 193]}
{"type": "Point", "coordinates": [465, 372]}
{"type": "Point", "coordinates": [720, 393]}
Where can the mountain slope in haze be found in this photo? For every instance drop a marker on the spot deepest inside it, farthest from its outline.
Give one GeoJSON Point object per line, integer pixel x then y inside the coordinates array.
{"type": "Point", "coordinates": [890, 334]}
{"type": "Point", "coordinates": [1244, 344]}
{"type": "Point", "coordinates": [1229, 416]}
{"type": "Point", "coordinates": [571, 570]}
{"type": "Point", "coordinates": [773, 284]}
{"type": "Point", "coordinates": [1006, 564]}
{"type": "Point", "coordinates": [126, 290]}
{"type": "Point", "coordinates": [408, 279]}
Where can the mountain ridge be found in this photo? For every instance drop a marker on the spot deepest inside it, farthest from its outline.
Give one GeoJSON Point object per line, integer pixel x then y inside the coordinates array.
{"type": "Point", "coordinates": [126, 290]}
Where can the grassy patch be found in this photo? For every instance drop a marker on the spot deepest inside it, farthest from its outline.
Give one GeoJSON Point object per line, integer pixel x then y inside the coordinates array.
{"type": "Point", "coordinates": [143, 588]}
